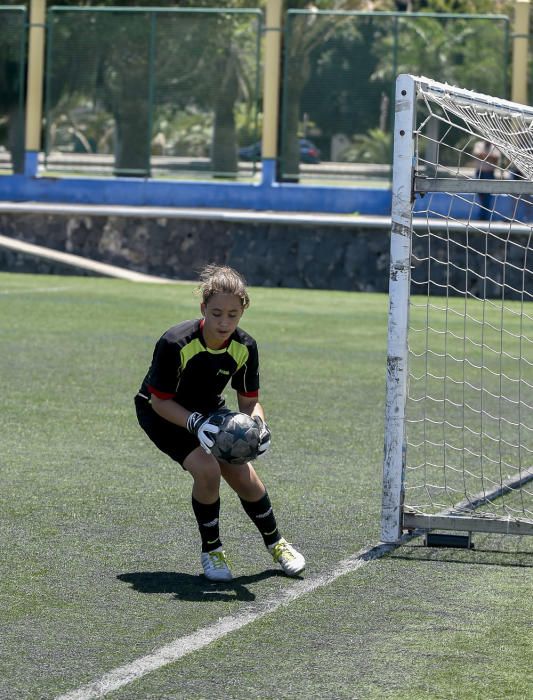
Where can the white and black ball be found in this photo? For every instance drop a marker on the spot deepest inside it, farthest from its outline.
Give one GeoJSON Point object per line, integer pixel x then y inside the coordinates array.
{"type": "Point", "coordinates": [237, 441]}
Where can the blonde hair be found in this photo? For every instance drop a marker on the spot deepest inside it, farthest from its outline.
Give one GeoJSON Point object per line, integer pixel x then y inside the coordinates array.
{"type": "Point", "coordinates": [220, 279]}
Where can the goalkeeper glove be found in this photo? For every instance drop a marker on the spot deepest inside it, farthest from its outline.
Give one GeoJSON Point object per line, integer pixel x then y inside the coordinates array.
{"type": "Point", "coordinates": [205, 431]}
{"type": "Point", "coordinates": [264, 435]}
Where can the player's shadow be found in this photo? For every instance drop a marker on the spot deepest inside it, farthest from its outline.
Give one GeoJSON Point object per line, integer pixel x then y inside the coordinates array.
{"type": "Point", "coordinates": [194, 588]}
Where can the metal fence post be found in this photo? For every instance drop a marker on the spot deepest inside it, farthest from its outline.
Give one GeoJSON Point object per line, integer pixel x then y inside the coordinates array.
{"type": "Point", "coordinates": [520, 51]}
{"type": "Point", "coordinates": [271, 89]}
{"type": "Point", "coordinates": [34, 93]}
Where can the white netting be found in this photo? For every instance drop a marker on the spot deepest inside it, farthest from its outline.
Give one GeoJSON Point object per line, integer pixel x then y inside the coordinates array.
{"type": "Point", "coordinates": [470, 396]}
{"type": "Point", "coordinates": [507, 128]}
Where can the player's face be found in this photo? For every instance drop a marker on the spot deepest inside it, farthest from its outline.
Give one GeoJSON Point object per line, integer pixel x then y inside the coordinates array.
{"type": "Point", "coordinates": [222, 314]}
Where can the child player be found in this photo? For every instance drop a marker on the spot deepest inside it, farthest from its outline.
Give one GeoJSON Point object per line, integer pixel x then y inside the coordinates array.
{"type": "Point", "coordinates": [191, 365]}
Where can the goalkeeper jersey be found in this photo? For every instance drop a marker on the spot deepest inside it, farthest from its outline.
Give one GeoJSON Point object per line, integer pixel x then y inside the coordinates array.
{"type": "Point", "coordinates": [184, 369]}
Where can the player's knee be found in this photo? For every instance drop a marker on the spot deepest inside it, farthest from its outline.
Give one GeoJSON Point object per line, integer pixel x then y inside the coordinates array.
{"type": "Point", "coordinates": [208, 480]}
{"type": "Point", "coordinates": [204, 469]}
{"type": "Point", "coordinates": [241, 476]}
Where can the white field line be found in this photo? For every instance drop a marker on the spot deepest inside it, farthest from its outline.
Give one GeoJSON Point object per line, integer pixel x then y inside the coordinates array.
{"type": "Point", "coordinates": [35, 290]}
{"type": "Point", "coordinates": [190, 643]}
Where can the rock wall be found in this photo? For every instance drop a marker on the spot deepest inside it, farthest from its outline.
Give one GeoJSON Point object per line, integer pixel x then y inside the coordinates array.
{"type": "Point", "coordinates": [273, 255]}
{"type": "Point", "coordinates": [276, 255]}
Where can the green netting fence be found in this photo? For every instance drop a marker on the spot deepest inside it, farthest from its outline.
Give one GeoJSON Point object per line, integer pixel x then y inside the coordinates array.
{"type": "Point", "coordinates": [339, 72]}
{"type": "Point", "coordinates": [176, 92]}
{"type": "Point", "coordinates": [148, 92]}
{"type": "Point", "coordinates": [13, 26]}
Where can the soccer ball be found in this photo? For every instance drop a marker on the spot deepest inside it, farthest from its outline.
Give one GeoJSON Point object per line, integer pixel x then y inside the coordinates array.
{"type": "Point", "coordinates": [237, 441]}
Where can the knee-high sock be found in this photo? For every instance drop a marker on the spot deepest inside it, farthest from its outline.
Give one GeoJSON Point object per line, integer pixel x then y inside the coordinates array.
{"type": "Point", "coordinates": [262, 515]}
{"type": "Point", "coordinates": [207, 519]}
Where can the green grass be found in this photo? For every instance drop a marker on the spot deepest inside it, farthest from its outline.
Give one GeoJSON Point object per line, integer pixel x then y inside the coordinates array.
{"type": "Point", "coordinates": [100, 556]}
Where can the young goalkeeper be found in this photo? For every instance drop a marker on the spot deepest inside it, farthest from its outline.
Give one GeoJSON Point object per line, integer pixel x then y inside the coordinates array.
{"type": "Point", "coordinates": [192, 363]}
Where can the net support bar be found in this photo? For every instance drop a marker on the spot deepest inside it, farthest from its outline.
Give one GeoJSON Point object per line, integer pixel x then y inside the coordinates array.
{"type": "Point", "coordinates": [445, 184]}
{"type": "Point", "coordinates": [462, 523]}
{"type": "Point", "coordinates": [457, 518]}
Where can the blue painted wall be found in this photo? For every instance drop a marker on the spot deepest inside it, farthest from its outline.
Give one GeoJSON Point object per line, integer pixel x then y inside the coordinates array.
{"type": "Point", "coordinates": [267, 195]}
{"type": "Point", "coordinates": [145, 192]}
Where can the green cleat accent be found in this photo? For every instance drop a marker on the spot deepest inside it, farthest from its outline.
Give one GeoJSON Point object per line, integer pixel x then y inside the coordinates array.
{"type": "Point", "coordinates": [216, 565]}
{"type": "Point", "coordinates": [284, 554]}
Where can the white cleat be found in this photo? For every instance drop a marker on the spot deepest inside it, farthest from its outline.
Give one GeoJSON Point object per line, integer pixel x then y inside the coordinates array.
{"type": "Point", "coordinates": [216, 565]}
{"type": "Point", "coordinates": [284, 554]}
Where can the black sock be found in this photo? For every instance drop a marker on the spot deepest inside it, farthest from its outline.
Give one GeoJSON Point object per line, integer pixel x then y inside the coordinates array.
{"type": "Point", "coordinates": [262, 515]}
{"type": "Point", "coordinates": [207, 518]}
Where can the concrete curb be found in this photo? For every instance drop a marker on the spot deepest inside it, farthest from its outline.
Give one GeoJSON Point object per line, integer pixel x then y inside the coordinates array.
{"type": "Point", "coordinates": [78, 261]}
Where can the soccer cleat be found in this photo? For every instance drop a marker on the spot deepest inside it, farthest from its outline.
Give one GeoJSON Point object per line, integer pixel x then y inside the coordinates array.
{"type": "Point", "coordinates": [216, 565]}
{"type": "Point", "coordinates": [284, 554]}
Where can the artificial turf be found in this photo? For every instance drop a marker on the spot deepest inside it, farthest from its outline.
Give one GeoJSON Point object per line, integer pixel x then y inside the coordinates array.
{"type": "Point", "coordinates": [100, 555]}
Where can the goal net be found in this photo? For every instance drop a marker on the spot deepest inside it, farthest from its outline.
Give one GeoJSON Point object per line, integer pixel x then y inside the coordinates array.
{"type": "Point", "coordinates": [459, 409]}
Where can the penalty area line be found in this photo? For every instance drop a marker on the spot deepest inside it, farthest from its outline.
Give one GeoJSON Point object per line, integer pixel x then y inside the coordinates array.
{"type": "Point", "coordinates": [168, 654]}
{"type": "Point", "coordinates": [14, 291]}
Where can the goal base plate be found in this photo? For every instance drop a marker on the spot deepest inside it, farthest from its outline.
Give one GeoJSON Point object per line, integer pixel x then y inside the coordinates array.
{"type": "Point", "coordinates": [437, 539]}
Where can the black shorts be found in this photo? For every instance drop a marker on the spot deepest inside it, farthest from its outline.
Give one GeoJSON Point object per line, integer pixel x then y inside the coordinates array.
{"type": "Point", "coordinates": [174, 441]}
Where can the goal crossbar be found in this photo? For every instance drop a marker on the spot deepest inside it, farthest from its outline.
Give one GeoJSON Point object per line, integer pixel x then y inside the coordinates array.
{"type": "Point", "coordinates": [462, 96]}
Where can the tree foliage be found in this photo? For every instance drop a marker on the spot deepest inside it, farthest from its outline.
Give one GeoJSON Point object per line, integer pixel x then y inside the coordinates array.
{"type": "Point", "coordinates": [344, 82]}
{"type": "Point", "coordinates": [143, 67]}
{"type": "Point", "coordinates": [337, 73]}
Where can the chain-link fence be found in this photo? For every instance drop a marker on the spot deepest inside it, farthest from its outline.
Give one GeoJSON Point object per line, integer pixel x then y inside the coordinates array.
{"type": "Point", "coordinates": [339, 72]}
{"type": "Point", "coordinates": [172, 92]}
{"type": "Point", "coordinates": [13, 25]}
{"type": "Point", "coordinates": [144, 92]}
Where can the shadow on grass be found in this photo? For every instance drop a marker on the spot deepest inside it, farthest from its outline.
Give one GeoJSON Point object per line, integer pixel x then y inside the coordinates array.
{"type": "Point", "coordinates": [483, 557]}
{"type": "Point", "coordinates": [195, 588]}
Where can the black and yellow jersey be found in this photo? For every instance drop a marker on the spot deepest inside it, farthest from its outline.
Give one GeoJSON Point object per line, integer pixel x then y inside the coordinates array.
{"type": "Point", "coordinates": [184, 369]}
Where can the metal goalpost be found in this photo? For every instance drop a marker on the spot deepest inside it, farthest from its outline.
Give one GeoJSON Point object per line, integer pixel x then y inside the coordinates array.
{"type": "Point", "coordinates": [458, 448]}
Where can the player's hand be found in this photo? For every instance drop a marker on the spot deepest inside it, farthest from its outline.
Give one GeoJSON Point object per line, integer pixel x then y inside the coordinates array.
{"type": "Point", "coordinates": [264, 436]}
{"type": "Point", "coordinates": [204, 429]}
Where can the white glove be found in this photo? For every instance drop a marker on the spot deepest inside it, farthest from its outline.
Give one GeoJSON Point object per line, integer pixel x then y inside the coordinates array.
{"type": "Point", "coordinates": [264, 436]}
{"type": "Point", "coordinates": [205, 431]}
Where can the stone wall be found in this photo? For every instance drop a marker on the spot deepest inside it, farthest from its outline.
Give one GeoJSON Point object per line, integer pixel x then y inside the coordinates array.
{"type": "Point", "coordinates": [274, 255]}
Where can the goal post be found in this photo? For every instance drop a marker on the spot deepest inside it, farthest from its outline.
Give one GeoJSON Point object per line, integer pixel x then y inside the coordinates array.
{"type": "Point", "coordinates": [458, 448]}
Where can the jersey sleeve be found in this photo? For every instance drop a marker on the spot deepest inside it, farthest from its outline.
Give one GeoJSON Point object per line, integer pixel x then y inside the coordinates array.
{"type": "Point", "coordinates": [246, 380]}
{"type": "Point", "coordinates": [164, 372]}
